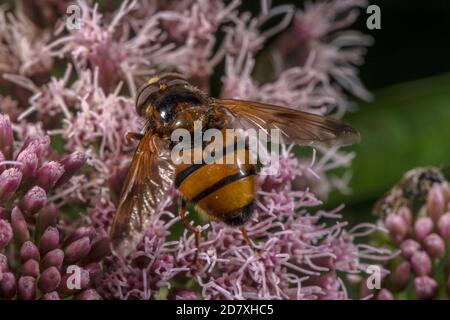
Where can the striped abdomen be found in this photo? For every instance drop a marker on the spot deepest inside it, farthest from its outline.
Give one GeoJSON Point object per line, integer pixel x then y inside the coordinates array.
{"type": "Point", "coordinates": [221, 191]}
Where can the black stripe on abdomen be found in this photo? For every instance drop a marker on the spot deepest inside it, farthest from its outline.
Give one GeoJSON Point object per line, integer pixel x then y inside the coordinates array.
{"type": "Point", "coordinates": [186, 173]}
{"type": "Point", "coordinates": [181, 176]}
{"type": "Point", "coordinates": [223, 182]}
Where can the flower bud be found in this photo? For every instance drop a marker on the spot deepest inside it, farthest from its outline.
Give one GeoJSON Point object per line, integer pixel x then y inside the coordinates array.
{"type": "Point", "coordinates": [77, 250]}
{"type": "Point", "coordinates": [38, 145]}
{"type": "Point", "coordinates": [435, 202]}
{"type": "Point", "coordinates": [48, 217]}
{"type": "Point", "coordinates": [6, 136]}
{"type": "Point", "coordinates": [71, 164]}
{"type": "Point", "coordinates": [49, 174]}
{"type": "Point", "coordinates": [385, 294]}
{"type": "Point", "coordinates": [29, 161]}
{"type": "Point", "coordinates": [30, 268]}
{"type": "Point", "coordinates": [423, 227]}
{"type": "Point", "coordinates": [8, 286]}
{"type": "Point", "coordinates": [434, 245]}
{"type": "Point", "coordinates": [79, 233]}
{"type": "Point", "coordinates": [33, 200]}
{"type": "Point", "coordinates": [49, 280]}
{"type": "Point", "coordinates": [397, 227]}
{"type": "Point", "coordinates": [54, 258]}
{"type": "Point", "coordinates": [401, 275]}
{"type": "Point", "coordinates": [51, 296]}
{"type": "Point", "coordinates": [29, 251]}
{"type": "Point", "coordinates": [444, 226]}
{"type": "Point", "coordinates": [89, 294]}
{"type": "Point", "coordinates": [421, 263]}
{"type": "Point", "coordinates": [49, 240]}
{"type": "Point", "coordinates": [20, 226]}
{"type": "Point", "coordinates": [425, 287]}
{"type": "Point", "coordinates": [10, 180]}
{"type": "Point", "coordinates": [406, 214]}
{"type": "Point", "coordinates": [6, 233]}
{"type": "Point", "coordinates": [26, 288]}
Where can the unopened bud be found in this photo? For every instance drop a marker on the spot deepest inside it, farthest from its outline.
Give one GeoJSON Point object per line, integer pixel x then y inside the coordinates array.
{"type": "Point", "coordinates": [10, 180]}
{"type": "Point", "coordinates": [397, 227]}
{"type": "Point", "coordinates": [26, 288]}
{"type": "Point", "coordinates": [49, 240]}
{"type": "Point", "coordinates": [444, 226]}
{"type": "Point", "coordinates": [421, 263]}
{"type": "Point", "coordinates": [49, 174]}
{"type": "Point", "coordinates": [49, 280]}
{"type": "Point", "coordinates": [400, 276]}
{"type": "Point", "coordinates": [33, 200]}
{"type": "Point", "coordinates": [30, 268]}
{"type": "Point", "coordinates": [6, 136]}
{"type": "Point", "coordinates": [8, 285]}
{"type": "Point", "coordinates": [425, 287]}
{"type": "Point", "coordinates": [71, 164]}
{"type": "Point", "coordinates": [77, 250]}
{"type": "Point", "coordinates": [434, 245]}
{"type": "Point", "coordinates": [54, 258]}
{"type": "Point", "coordinates": [20, 226]}
{"type": "Point", "coordinates": [29, 161]}
{"type": "Point", "coordinates": [435, 202]}
{"type": "Point", "coordinates": [48, 217]}
{"type": "Point", "coordinates": [423, 227]}
{"type": "Point", "coordinates": [29, 251]}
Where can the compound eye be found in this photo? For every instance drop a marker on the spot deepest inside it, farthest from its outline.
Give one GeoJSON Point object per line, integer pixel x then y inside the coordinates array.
{"type": "Point", "coordinates": [143, 97]}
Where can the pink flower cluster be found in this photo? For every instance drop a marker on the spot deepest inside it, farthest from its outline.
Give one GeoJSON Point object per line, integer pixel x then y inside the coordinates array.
{"type": "Point", "coordinates": [38, 249]}
{"type": "Point", "coordinates": [422, 238]}
{"type": "Point", "coordinates": [79, 85]}
{"type": "Point", "coordinates": [298, 256]}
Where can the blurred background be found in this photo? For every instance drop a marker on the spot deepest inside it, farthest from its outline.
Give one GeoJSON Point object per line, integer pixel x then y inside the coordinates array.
{"type": "Point", "coordinates": [408, 122]}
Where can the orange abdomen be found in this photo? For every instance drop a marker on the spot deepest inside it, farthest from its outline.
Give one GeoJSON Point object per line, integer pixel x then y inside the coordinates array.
{"type": "Point", "coordinates": [224, 192]}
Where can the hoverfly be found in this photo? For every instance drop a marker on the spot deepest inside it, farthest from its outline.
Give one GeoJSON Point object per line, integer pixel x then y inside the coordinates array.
{"type": "Point", "coordinates": [414, 185]}
{"type": "Point", "coordinates": [222, 192]}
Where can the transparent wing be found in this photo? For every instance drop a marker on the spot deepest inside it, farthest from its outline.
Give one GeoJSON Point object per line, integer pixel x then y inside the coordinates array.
{"type": "Point", "coordinates": [295, 126]}
{"type": "Point", "coordinates": [147, 184]}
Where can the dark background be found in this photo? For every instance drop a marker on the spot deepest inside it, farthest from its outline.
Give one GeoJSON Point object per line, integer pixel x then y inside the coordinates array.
{"type": "Point", "coordinates": [413, 42]}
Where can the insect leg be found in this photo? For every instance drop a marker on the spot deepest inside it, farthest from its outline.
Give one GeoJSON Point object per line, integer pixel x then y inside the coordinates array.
{"type": "Point", "coordinates": [247, 239]}
{"type": "Point", "coordinates": [196, 230]}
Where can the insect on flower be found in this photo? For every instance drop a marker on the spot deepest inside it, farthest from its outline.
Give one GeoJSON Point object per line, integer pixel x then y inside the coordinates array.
{"type": "Point", "coordinates": [414, 185]}
{"type": "Point", "coordinates": [224, 192]}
